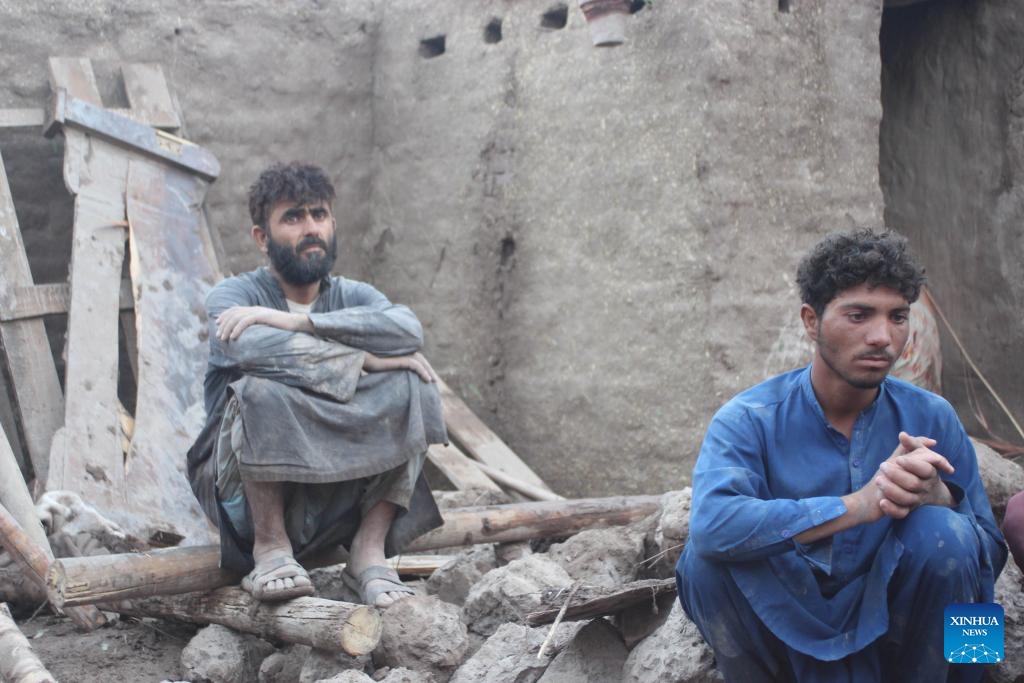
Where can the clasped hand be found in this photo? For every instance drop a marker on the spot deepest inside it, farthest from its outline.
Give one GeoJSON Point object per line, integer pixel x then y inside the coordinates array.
{"type": "Point", "coordinates": [908, 479]}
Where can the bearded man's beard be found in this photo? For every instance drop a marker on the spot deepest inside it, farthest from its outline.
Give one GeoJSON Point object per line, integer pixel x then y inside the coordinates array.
{"type": "Point", "coordinates": [297, 269]}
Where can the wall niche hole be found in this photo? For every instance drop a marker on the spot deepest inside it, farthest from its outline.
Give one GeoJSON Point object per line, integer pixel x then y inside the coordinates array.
{"type": "Point", "coordinates": [556, 17]}
{"type": "Point", "coordinates": [784, 5]}
{"type": "Point", "coordinates": [508, 249]}
{"type": "Point", "coordinates": [637, 5]}
{"type": "Point", "coordinates": [432, 47]}
{"type": "Point", "coordinates": [492, 32]}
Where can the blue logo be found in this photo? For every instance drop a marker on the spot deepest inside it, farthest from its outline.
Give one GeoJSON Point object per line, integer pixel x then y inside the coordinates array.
{"type": "Point", "coordinates": [973, 633]}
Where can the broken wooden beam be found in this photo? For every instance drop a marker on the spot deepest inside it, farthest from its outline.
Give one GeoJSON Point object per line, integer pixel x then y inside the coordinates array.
{"type": "Point", "coordinates": [87, 580]}
{"type": "Point", "coordinates": [461, 470]}
{"type": "Point", "coordinates": [26, 349]}
{"type": "Point", "coordinates": [34, 562]}
{"type": "Point", "coordinates": [323, 624]}
{"type": "Point", "coordinates": [18, 662]}
{"type": "Point", "coordinates": [517, 485]}
{"type": "Point", "coordinates": [589, 602]}
{"type": "Point", "coordinates": [71, 112]}
{"type": "Point", "coordinates": [477, 439]}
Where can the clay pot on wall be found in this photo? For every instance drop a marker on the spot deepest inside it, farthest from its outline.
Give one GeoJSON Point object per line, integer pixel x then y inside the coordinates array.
{"type": "Point", "coordinates": [606, 20]}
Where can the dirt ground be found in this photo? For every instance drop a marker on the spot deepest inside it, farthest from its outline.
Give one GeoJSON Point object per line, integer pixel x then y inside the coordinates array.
{"type": "Point", "coordinates": [129, 651]}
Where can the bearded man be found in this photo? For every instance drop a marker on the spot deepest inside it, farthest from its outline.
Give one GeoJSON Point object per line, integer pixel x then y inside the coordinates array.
{"type": "Point", "coordinates": [837, 511]}
{"type": "Point", "coordinates": [320, 407]}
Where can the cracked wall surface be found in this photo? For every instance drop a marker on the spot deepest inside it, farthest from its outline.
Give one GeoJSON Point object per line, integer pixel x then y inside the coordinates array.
{"type": "Point", "coordinates": [952, 145]}
{"type": "Point", "coordinates": [600, 242]}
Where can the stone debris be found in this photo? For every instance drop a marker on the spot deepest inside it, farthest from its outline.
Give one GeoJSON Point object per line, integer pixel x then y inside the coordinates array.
{"type": "Point", "coordinates": [601, 557]}
{"type": "Point", "coordinates": [319, 665]}
{"type": "Point", "coordinates": [1001, 476]}
{"type": "Point", "coordinates": [466, 625]}
{"type": "Point", "coordinates": [350, 676]}
{"type": "Point", "coordinates": [510, 654]}
{"type": "Point", "coordinates": [509, 593]}
{"type": "Point", "coordinates": [452, 582]}
{"type": "Point", "coordinates": [597, 653]}
{"type": "Point", "coordinates": [672, 530]}
{"type": "Point", "coordinates": [283, 666]}
{"type": "Point", "coordinates": [675, 653]}
{"type": "Point", "coordinates": [219, 655]}
{"type": "Point", "coordinates": [423, 634]}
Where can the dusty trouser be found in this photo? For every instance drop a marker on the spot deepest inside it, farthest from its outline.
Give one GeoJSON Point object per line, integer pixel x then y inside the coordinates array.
{"type": "Point", "coordinates": [938, 564]}
{"type": "Point", "coordinates": [316, 515]}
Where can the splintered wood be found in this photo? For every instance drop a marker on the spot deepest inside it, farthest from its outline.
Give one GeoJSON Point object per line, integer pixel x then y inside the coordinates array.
{"type": "Point", "coordinates": [171, 276]}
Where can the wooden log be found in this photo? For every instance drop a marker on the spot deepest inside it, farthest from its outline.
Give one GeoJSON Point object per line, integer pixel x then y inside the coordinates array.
{"type": "Point", "coordinates": [15, 497]}
{"type": "Point", "coordinates": [18, 663]}
{"type": "Point", "coordinates": [323, 624]}
{"type": "Point", "coordinates": [86, 580]}
{"type": "Point", "coordinates": [34, 562]}
{"type": "Point", "coordinates": [479, 441]}
{"type": "Point", "coordinates": [589, 602]}
{"type": "Point", "coordinates": [108, 578]}
{"type": "Point", "coordinates": [525, 521]}
{"type": "Point", "coordinates": [171, 571]}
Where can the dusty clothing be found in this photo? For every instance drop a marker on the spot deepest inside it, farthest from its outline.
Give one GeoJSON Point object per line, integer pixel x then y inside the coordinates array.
{"type": "Point", "coordinates": [306, 414]}
{"type": "Point", "coordinates": [856, 604]}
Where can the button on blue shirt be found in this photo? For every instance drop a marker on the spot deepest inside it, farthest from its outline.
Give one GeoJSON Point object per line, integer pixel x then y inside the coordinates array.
{"type": "Point", "coordinates": [771, 467]}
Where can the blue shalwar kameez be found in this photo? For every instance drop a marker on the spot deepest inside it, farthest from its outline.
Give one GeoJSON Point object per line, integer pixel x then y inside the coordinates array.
{"type": "Point", "coordinates": [863, 605]}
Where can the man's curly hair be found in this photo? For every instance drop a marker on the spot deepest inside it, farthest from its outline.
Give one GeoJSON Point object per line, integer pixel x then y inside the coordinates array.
{"type": "Point", "coordinates": [293, 182]}
{"type": "Point", "coordinates": [847, 259]}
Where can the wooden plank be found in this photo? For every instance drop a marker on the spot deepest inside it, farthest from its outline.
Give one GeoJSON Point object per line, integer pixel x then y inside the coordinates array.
{"type": "Point", "coordinates": [75, 75]}
{"type": "Point", "coordinates": [460, 470]}
{"type": "Point", "coordinates": [149, 97]}
{"type": "Point", "coordinates": [479, 441]}
{"type": "Point", "coordinates": [86, 455]}
{"type": "Point", "coordinates": [171, 277]}
{"type": "Point", "coordinates": [36, 388]}
{"type": "Point", "coordinates": [36, 301]}
{"type": "Point", "coordinates": [22, 118]}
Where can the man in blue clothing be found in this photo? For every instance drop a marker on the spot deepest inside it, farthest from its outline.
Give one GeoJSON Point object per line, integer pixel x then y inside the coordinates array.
{"type": "Point", "coordinates": [837, 511]}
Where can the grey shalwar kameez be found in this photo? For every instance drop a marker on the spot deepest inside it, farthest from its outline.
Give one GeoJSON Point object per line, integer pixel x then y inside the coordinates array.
{"type": "Point", "coordinates": [295, 407]}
